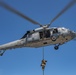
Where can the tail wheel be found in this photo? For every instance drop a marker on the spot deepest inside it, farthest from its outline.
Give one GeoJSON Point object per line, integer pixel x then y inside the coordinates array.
{"type": "Point", "coordinates": [53, 38]}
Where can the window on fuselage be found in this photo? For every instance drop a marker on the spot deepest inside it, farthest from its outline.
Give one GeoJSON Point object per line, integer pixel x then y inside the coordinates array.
{"type": "Point", "coordinates": [47, 33]}
{"type": "Point", "coordinates": [41, 35]}
{"type": "Point", "coordinates": [55, 31]}
{"type": "Point", "coordinates": [44, 34]}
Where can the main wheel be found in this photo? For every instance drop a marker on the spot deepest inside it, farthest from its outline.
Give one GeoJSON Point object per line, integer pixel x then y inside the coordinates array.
{"type": "Point", "coordinates": [56, 47]}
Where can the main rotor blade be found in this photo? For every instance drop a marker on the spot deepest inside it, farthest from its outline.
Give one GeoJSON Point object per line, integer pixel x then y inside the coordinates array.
{"type": "Point", "coordinates": [66, 8]}
{"type": "Point", "coordinates": [18, 13]}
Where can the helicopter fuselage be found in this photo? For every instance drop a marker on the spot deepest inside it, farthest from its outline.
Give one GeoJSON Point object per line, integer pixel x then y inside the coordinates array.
{"type": "Point", "coordinates": [42, 37]}
{"type": "Point", "coordinates": [49, 36]}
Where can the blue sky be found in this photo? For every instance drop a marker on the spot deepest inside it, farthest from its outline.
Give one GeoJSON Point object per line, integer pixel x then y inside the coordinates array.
{"type": "Point", "coordinates": [26, 61]}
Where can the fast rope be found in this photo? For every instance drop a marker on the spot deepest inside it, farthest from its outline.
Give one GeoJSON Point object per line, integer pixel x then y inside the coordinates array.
{"type": "Point", "coordinates": [43, 58]}
{"type": "Point", "coordinates": [43, 72]}
{"type": "Point", "coordinates": [43, 62]}
{"type": "Point", "coordinates": [43, 53]}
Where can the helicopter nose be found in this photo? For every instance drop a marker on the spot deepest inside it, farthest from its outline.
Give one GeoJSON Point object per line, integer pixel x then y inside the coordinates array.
{"type": "Point", "coordinates": [73, 34]}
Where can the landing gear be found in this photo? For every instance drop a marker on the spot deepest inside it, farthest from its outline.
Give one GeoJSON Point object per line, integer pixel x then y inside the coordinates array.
{"type": "Point", "coordinates": [2, 52]}
{"type": "Point", "coordinates": [56, 47]}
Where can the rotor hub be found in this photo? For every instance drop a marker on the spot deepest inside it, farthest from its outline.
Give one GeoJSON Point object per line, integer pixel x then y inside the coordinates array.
{"type": "Point", "coordinates": [45, 26]}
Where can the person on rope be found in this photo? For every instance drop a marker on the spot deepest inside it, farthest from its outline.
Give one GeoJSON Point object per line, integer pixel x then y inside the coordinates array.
{"type": "Point", "coordinates": [43, 63]}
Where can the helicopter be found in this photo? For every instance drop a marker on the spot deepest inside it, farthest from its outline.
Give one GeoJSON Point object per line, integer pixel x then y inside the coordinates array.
{"type": "Point", "coordinates": [42, 36]}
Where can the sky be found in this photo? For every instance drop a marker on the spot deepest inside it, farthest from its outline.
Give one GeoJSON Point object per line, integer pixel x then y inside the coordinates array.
{"type": "Point", "coordinates": [26, 61]}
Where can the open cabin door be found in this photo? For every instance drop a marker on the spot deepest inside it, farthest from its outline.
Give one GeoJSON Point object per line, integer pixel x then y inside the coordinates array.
{"type": "Point", "coordinates": [44, 34]}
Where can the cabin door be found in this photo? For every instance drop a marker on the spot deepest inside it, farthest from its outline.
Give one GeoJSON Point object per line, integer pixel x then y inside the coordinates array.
{"type": "Point", "coordinates": [44, 34]}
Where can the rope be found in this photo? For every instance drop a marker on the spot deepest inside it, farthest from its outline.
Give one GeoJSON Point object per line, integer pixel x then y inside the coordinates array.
{"type": "Point", "coordinates": [43, 58]}
{"type": "Point", "coordinates": [43, 72]}
{"type": "Point", "coordinates": [43, 53]}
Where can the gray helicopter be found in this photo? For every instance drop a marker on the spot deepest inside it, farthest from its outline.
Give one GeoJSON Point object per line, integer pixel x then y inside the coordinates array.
{"type": "Point", "coordinates": [42, 36]}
